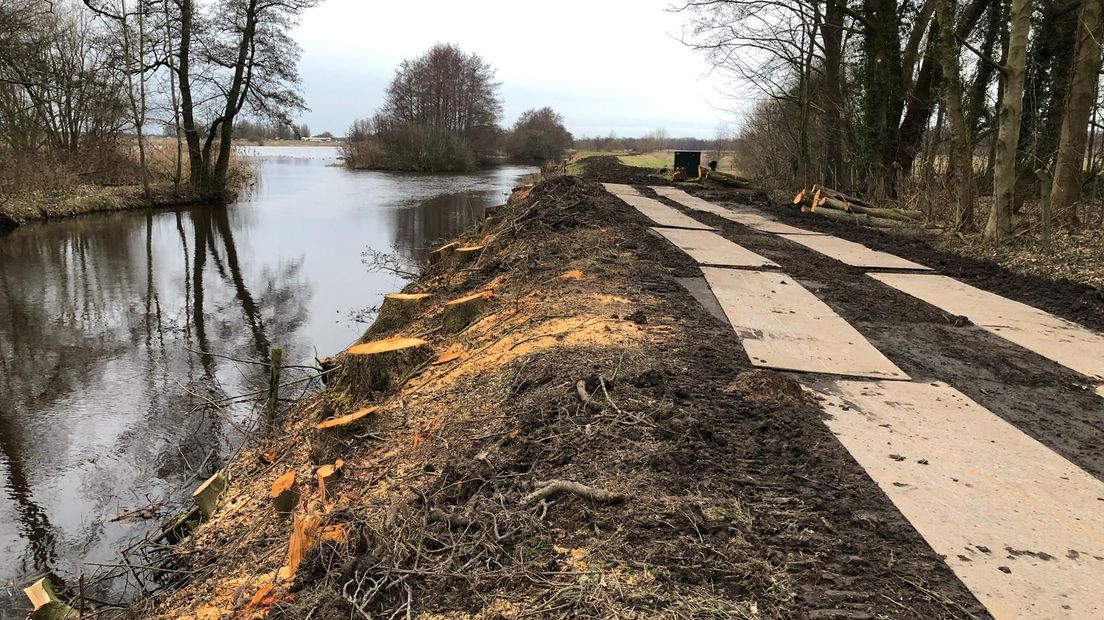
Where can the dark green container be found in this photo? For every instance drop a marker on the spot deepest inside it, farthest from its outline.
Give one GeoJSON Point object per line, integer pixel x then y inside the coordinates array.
{"type": "Point", "coordinates": [688, 161]}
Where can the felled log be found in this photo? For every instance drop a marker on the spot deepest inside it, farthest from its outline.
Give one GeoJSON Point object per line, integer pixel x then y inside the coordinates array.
{"type": "Point", "coordinates": [207, 494]}
{"type": "Point", "coordinates": [397, 310]}
{"type": "Point", "coordinates": [799, 198]}
{"type": "Point", "coordinates": [728, 179]}
{"type": "Point", "coordinates": [442, 253]}
{"type": "Point", "coordinates": [459, 313]}
{"type": "Point", "coordinates": [866, 220]}
{"type": "Point", "coordinates": [47, 606]}
{"type": "Point", "coordinates": [329, 474]}
{"type": "Point", "coordinates": [901, 215]}
{"type": "Point", "coordinates": [285, 494]}
{"type": "Point", "coordinates": [467, 254]}
{"type": "Point", "coordinates": [381, 365]}
{"type": "Point", "coordinates": [838, 195]}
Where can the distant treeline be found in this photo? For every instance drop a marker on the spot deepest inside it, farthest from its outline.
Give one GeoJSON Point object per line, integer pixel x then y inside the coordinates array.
{"type": "Point", "coordinates": [442, 114]}
{"type": "Point", "coordinates": [655, 141]}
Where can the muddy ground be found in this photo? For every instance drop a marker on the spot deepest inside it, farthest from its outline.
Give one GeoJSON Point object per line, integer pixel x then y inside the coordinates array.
{"type": "Point", "coordinates": [1049, 402]}
{"type": "Point", "coordinates": [733, 498]}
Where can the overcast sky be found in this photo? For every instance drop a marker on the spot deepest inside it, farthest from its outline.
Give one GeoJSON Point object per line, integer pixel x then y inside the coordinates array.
{"type": "Point", "coordinates": [603, 64]}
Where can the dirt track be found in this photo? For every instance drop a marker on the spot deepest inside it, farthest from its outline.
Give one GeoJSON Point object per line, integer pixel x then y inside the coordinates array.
{"type": "Point", "coordinates": [739, 503]}
{"type": "Point", "coordinates": [1044, 399]}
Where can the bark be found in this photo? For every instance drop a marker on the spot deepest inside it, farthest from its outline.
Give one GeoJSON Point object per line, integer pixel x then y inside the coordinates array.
{"type": "Point", "coordinates": [1069, 164]}
{"type": "Point", "coordinates": [882, 93]}
{"type": "Point", "coordinates": [459, 313]}
{"type": "Point", "coordinates": [834, 133]}
{"type": "Point", "coordinates": [962, 143]}
{"type": "Point", "coordinates": [999, 227]}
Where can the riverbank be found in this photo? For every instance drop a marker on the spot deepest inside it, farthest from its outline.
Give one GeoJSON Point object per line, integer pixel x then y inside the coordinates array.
{"type": "Point", "coordinates": [593, 443]}
{"type": "Point", "coordinates": [85, 199]}
{"type": "Point", "coordinates": [33, 205]}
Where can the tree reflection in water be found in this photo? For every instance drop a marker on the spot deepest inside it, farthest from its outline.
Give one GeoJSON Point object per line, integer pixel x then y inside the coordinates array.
{"type": "Point", "coordinates": [101, 396]}
{"type": "Point", "coordinates": [114, 332]}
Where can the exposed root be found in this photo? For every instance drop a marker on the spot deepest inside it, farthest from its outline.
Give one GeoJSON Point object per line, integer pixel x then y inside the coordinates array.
{"type": "Point", "coordinates": [551, 487]}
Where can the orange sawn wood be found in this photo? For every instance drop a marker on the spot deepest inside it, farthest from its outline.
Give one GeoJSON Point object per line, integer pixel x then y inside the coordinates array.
{"type": "Point", "coordinates": [285, 494]}
{"type": "Point", "coordinates": [328, 474]}
{"type": "Point", "coordinates": [345, 420]}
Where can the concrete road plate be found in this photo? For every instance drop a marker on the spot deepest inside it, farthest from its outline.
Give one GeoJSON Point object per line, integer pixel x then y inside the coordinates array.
{"type": "Point", "coordinates": [688, 201]}
{"type": "Point", "coordinates": [782, 325]}
{"type": "Point", "coordinates": [709, 248]}
{"type": "Point", "coordinates": [851, 253]}
{"type": "Point", "coordinates": [620, 189]}
{"type": "Point", "coordinates": [662, 214]}
{"type": "Point", "coordinates": [1021, 526]}
{"type": "Point", "coordinates": [1067, 343]}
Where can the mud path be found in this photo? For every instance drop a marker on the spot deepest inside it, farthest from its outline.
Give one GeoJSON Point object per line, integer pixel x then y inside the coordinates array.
{"type": "Point", "coordinates": [1049, 402]}
{"type": "Point", "coordinates": [1038, 400]}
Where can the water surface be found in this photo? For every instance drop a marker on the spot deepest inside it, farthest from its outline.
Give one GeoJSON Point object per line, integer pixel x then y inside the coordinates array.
{"type": "Point", "coordinates": [116, 334]}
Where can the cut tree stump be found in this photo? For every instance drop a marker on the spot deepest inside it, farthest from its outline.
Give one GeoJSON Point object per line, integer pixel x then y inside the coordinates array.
{"type": "Point", "coordinates": [207, 494]}
{"type": "Point", "coordinates": [442, 253]}
{"type": "Point", "coordinates": [381, 365]}
{"type": "Point", "coordinates": [47, 606]}
{"type": "Point", "coordinates": [304, 538]}
{"type": "Point", "coordinates": [397, 310]}
{"type": "Point", "coordinates": [467, 254]}
{"type": "Point", "coordinates": [285, 494]}
{"type": "Point", "coordinates": [459, 313]}
{"type": "Point", "coordinates": [329, 474]}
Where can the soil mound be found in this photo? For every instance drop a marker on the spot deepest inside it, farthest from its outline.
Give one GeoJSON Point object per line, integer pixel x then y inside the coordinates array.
{"type": "Point", "coordinates": [568, 453]}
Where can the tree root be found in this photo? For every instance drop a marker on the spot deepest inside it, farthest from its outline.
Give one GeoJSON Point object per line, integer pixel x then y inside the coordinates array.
{"type": "Point", "coordinates": [551, 487]}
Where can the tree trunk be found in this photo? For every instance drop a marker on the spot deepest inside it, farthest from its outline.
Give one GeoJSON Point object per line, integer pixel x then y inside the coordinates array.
{"type": "Point", "coordinates": [962, 143]}
{"type": "Point", "coordinates": [999, 227]}
{"type": "Point", "coordinates": [928, 80]}
{"type": "Point", "coordinates": [882, 92]}
{"type": "Point", "coordinates": [832, 36]}
{"type": "Point", "coordinates": [1070, 162]}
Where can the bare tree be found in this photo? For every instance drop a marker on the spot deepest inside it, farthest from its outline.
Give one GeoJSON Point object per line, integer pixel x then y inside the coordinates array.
{"type": "Point", "coordinates": [1009, 117]}
{"type": "Point", "coordinates": [1070, 163]}
{"type": "Point", "coordinates": [962, 143]}
{"type": "Point", "coordinates": [233, 56]}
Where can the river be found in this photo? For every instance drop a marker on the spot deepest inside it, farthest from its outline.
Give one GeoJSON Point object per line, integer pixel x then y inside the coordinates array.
{"type": "Point", "coordinates": [118, 332]}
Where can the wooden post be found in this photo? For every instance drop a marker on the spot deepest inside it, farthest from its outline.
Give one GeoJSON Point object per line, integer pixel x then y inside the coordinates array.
{"type": "Point", "coordinates": [276, 357]}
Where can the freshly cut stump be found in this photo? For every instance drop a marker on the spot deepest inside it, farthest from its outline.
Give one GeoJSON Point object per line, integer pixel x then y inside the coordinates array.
{"type": "Point", "coordinates": [329, 474]}
{"type": "Point", "coordinates": [47, 606]}
{"type": "Point", "coordinates": [332, 433]}
{"type": "Point", "coordinates": [285, 494]}
{"type": "Point", "coordinates": [442, 253]}
{"type": "Point", "coordinates": [397, 310]}
{"type": "Point", "coordinates": [208, 493]}
{"type": "Point", "coordinates": [459, 313]}
{"type": "Point", "coordinates": [381, 365]}
{"type": "Point", "coordinates": [467, 254]}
